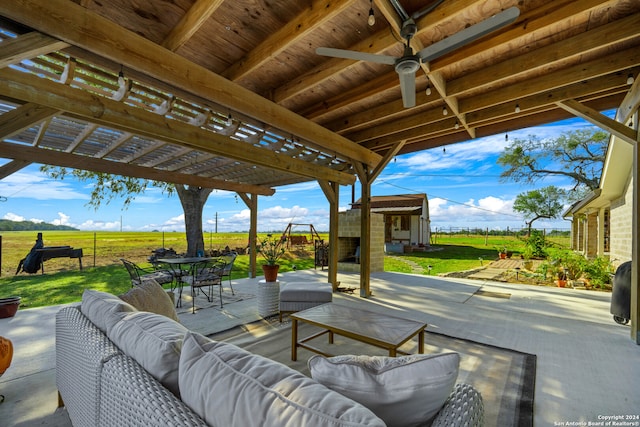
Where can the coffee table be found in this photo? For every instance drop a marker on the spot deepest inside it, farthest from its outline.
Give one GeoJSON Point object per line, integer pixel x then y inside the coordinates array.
{"type": "Point", "coordinates": [376, 328]}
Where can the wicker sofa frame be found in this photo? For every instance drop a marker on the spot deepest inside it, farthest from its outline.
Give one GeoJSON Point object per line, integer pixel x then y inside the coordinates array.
{"type": "Point", "coordinates": [101, 386]}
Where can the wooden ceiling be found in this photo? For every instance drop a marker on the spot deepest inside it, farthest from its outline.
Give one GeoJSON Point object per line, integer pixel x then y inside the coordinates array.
{"type": "Point", "coordinates": [230, 94]}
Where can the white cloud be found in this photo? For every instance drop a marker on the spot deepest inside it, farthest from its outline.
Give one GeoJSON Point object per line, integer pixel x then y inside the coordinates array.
{"type": "Point", "coordinates": [100, 225]}
{"type": "Point", "coordinates": [175, 221]}
{"type": "Point", "coordinates": [36, 186]}
{"type": "Point", "coordinates": [63, 219]}
{"type": "Point", "coordinates": [13, 217]}
{"type": "Point", "coordinates": [473, 212]}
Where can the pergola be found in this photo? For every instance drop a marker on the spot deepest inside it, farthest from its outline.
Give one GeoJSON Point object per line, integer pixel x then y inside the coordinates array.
{"type": "Point", "coordinates": [231, 94]}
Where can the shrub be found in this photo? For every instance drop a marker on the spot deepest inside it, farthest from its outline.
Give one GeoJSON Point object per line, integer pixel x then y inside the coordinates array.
{"type": "Point", "coordinates": [598, 271]}
{"type": "Point", "coordinates": [535, 245]}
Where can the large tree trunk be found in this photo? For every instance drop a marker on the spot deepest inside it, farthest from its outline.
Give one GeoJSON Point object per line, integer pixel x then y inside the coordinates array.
{"type": "Point", "coordinates": [193, 200]}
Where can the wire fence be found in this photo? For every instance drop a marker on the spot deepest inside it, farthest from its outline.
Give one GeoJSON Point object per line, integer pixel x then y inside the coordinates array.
{"type": "Point", "coordinates": [558, 235]}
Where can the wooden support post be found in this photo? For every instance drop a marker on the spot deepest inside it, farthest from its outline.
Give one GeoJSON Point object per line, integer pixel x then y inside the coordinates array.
{"type": "Point", "coordinates": [635, 248]}
{"type": "Point", "coordinates": [251, 200]}
{"type": "Point", "coordinates": [332, 193]}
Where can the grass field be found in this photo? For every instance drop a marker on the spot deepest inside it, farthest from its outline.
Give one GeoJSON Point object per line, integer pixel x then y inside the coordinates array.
{"type": "Point", "coordinates": [103, 270]}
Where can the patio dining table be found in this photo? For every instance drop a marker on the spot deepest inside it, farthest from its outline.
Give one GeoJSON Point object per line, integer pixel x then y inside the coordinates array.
{"type": "Point", "coordinates": [181, 266]}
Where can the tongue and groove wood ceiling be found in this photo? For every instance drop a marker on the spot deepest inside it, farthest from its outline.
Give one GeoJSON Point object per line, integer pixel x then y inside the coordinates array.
{"type": "Point", "coordinates": [231, 94]}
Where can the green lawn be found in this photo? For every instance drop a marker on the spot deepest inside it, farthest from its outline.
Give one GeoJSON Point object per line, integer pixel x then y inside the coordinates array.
{"type": "Point", "coordinates": [103, 270]}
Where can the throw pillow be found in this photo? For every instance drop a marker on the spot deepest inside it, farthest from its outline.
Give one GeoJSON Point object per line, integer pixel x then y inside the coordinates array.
{"type": "Point", "coordinates": [103, 309]}
{"type": "Point", "coordinates": [403, 391]}
{"type": "Point", "coordinates": [227, 385]}
{"type": "Point", "coordinates": [154, 342]}
{"type": "Point", "coordinates": [150, 296]}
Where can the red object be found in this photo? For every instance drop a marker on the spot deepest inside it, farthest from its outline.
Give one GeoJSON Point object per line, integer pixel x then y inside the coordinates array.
{"type": "Point", "coordinates": [270, 272]}
{"type": "Point", "coordinates": [9, 306]}
{"type": "Point", "coordinates": [6, 354]}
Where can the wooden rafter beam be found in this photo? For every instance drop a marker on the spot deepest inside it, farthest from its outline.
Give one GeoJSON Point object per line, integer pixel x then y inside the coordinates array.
{"type": "Point", "coordinates": [618, 129]}
{"type": "Point", "coordinates": [27, 46]}
{"type": "Point", "coordinates": [379, 42]}
{"type": "Point", "coordinates": [190, 22]}
{"type": "Point", "coordinates": [13, 167]}
{"type": "Point", "coordinates": [58, 158]}
{"type": "Point", "coordinates": [106, 112]}
{"type": "Point", "coordinates": [631, 102]}
{"type": "Point", "coordinates": [580, 44]}
{"type": "Point", "coordinates": [615, 62]}
{"type": "Point", "coordinates": [535, 21]}
{"type": "Point", "coordinates": [83, 28]}
{"type": "Point", "coordinates": [576, 81]}
{"type": "Point", "coordinates": [23, 117]}
{"type": "Point", "coordinates": [314, 16]}
{"type": "Point", "coordinates": [435, 123]}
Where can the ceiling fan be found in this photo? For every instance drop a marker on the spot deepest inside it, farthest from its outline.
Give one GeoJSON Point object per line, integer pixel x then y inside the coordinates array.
{"type": "Point", "coordinates": [407, 65]}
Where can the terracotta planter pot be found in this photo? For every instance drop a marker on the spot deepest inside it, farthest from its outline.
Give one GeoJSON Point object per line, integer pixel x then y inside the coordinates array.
{"type": "Point", "coordinates": [561, 283]}
{"type": "Point", "coordinates": [9, 306]}
{"type": "Point", "coordinates": [270, 272]}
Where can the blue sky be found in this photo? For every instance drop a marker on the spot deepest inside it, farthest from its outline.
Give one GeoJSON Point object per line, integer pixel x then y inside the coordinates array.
{"type": "Point", "coordinates": [462, 185]}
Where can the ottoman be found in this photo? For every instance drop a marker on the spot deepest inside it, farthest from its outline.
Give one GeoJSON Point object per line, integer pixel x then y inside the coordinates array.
{"type": "Point", "coordinates": [296, 296]}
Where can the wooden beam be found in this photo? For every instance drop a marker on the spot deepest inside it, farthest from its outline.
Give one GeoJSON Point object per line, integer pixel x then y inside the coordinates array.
{"type": "Point", "coordinates": [331, 191]}
{"type": "Point", "coordinates": [314, 16]}
{"type": "Point", "coordinates": [619, 61]}
{"type": "Point", "coordinates": [104, 111]}
{"type": "Point", "coordinates": [631, 102]}
{"type": "Point", "coordinates": [386, 159]}
{"type": "Point", "coordinates": [190, 22]}
{"type": "Point", "coordinates": [603, 122]}
{"type": "Point", "coordinates": [580, 44]}
{"type": "Point", "coordinates": [81, 27]}
{"type": "Point", "coordinates": [58, 158]}
{"type": "Point", "coordinates": [379, 42]}
{"type": "Point", "coordinates": [23, 117]}
{"type": "Point", "coordinates": [13, 167]}
{"type": "Point", "coordinates": [27, 46]}
{"type": "Point", "coordinates": [251, 200]}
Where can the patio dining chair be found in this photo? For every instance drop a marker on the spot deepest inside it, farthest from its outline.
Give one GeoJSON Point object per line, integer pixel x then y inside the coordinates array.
{"type": "Point", "coordinates": [204, 276]}
{"type": "Point", "coordinates": [229, 259]}
{"type": "Point", "coordinates": [138, 274]}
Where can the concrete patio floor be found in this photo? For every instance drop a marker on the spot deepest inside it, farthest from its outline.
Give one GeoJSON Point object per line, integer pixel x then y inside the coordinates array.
{"type": "Point", "coordinates": [587, 365]}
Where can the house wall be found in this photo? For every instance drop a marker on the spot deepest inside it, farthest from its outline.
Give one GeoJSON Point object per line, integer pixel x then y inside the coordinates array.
{"type": "Point", "coordinates": [621, 217]}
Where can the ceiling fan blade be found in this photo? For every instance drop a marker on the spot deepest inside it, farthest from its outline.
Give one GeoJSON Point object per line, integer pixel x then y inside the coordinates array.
{"type": "Point", "coordinates": [408, 89]}
{"type": "Point", "coordinates": [468, 35]}
{"type": "Point", "coordinates": [358, 56]}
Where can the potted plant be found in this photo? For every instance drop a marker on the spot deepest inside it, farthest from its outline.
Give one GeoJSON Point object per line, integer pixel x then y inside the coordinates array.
{"type": "Point", "coordinates": [502, 252]}
{"type": "Point", "coordinates": [562, 278]}
{"type": "Point", "coordinates": [271, 249]}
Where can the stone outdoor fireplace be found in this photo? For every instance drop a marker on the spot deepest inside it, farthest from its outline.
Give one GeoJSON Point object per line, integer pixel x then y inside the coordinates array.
{"type": "Point", "coordinates": [349, 241]}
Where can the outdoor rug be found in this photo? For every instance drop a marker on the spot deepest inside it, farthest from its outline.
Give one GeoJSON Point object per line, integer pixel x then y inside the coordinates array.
{"type": "Point", "coordinates": [504, 377]}
{"type": "Point", "coordinates": [202, 302]}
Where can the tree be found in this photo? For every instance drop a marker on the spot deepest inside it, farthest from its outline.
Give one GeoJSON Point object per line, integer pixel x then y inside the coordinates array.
{"type": "Point", "coordinates": [107, 187]}
{"type": "Point", "coordinates": [542, 203]}
{"type": "Point", "coordinates": [578, 155]}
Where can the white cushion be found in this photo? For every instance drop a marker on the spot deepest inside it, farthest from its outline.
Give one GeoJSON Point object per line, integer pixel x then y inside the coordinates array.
{"type": "Point", "coordinates": [150, 296]}
{"type": "Point", "coordinates": [227, 385]}
{"type": "Point", "coordinates": [103, 309]}
{"type": "Point", "coordinates": [154, 342]}
{"type": "Point", "coordinates": [403, 391]}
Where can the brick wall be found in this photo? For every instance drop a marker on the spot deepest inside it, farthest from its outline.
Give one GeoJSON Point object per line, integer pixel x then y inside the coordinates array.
{"type": "Point", "coordinates": [349, 239]}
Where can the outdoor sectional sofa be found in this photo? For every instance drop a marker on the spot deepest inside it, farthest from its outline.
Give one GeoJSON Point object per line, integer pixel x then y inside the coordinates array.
{"type": "Point", "coordinates": [118, 366]}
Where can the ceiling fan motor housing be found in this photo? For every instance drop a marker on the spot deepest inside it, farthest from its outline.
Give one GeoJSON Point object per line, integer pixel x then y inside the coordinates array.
{"type": "Point", "coordinates": [407, 65]}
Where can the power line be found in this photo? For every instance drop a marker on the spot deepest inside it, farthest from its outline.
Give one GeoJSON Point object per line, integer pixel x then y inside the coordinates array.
{"type": "Point", "coordinates": [400, 175]}
{"type": "Point", "coordinates": [453, 201]}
